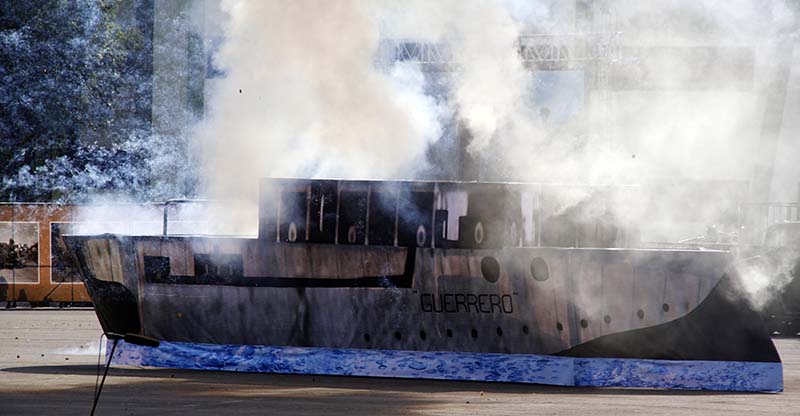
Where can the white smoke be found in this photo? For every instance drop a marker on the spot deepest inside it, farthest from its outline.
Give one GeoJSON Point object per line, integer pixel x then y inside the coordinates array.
{"type": "Point", "coordinates": [492, 86]}
{"type": "Point", "coordinates": [303, 97]}
{"type": "Point", "coordinates": [92, 348]}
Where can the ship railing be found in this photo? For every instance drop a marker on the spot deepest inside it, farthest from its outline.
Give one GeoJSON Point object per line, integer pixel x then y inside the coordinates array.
{"type": "Point", "coordinates": [175, 202]}
{"type": "Point", "coordinates": [691, 245]}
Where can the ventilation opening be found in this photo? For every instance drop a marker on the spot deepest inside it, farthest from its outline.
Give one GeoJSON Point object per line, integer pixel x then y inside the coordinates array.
{"type": "Point", "coordinates": [218, 265]}
{"type": "Point", "coordinates": [156, 269]}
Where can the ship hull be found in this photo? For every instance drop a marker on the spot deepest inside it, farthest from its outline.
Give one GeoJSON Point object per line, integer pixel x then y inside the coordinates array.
{"type": "Point", "coordinates": [585, 317]}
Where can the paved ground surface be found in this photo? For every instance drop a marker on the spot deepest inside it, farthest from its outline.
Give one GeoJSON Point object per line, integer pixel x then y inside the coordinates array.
{"type": "Point", "coordinates": [48, 365]}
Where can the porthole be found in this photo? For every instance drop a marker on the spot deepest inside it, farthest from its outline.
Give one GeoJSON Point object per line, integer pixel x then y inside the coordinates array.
{"type": "Point", "coordinates": [525, 329]}
{"type": "Point", "coordinates": [640, 314]}
{"type": "Point", "coordinates": [490, 269]}
{"type": "Point", "coordinates": [398, 336]}
{"type": "Point", "coordinates": [539, 269]}
{"type": "Point", "coordinates": [665, 307]}
{"type": "Point", "coordinates": [292, 235]}
{"type": "Point", "coordinates": [499, 331]}
{"type": "Point", "coordinates": [352, 235]}
{"type": "Point", "coordinates": [584, 323]}
{"type": "Point", "coordinates": [474, 333]}
{"type": "Point", "coordinates": [366, 337]}
{"type": "Point", "coordinates": [559, 326]}
{"type": "Point", "coordinates": [422, 236]}
{"type": "Point", "coordinates": [423, 335]}
{"type": "Point", "coordinates": [478, 234]}
{"type": "Point", "coordinates": [449, 333]}
{"type": "Point", "coordinates": [607, 319]}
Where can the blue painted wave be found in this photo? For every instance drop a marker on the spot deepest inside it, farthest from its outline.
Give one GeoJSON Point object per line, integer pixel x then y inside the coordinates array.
{"type": "Point", "coordinates": [520, 368]}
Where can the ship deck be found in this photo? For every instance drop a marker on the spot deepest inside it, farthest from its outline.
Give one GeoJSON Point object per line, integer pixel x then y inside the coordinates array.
{"type": "Point", "coordinates": [48, 365]}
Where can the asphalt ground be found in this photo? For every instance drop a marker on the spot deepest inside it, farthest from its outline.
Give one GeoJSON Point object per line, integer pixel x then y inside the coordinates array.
{"type": "Point", "coordinates": [48, 366]}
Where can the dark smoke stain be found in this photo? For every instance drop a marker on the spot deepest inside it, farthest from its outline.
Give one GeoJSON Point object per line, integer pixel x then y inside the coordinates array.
{"type": "Point", "coordinates": [302, 322]}
{"type": "Point", "coordinates": [724, 327]}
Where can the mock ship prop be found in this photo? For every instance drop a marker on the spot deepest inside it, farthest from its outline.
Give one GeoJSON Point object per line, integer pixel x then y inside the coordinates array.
{"type": "Point", "coordinates": [440, 280]}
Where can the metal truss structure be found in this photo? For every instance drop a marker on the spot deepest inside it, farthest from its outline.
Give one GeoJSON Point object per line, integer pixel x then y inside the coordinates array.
{"type": "Point", "coordinates": [546, 51]}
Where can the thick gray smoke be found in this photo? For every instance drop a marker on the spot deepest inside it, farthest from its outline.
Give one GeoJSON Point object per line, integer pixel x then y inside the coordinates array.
{"type": "Point", "coordinates": [683, 97]}
{"type": "Point", "coordinates": [303, 97]}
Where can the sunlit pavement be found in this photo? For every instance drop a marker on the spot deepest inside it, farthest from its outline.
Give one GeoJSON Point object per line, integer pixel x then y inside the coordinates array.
{"type": "Point", "coordinates": [48, 365]}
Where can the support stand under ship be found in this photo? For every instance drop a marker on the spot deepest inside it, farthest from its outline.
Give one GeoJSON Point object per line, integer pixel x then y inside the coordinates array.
{"type": "Point", "coordinates": [441, 280]}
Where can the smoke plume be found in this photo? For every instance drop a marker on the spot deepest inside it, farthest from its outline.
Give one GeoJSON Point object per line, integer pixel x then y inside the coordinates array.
{"type": "Point", "coordinates": [659, 95]}
{"type": "Point", "coordinates": [302, 97]}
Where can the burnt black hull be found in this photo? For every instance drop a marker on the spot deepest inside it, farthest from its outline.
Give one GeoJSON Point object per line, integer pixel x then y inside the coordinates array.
{"type": "Point", "coordinates": [468, 281]}
{"type": "Point", "coordinates": [521, 303]}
